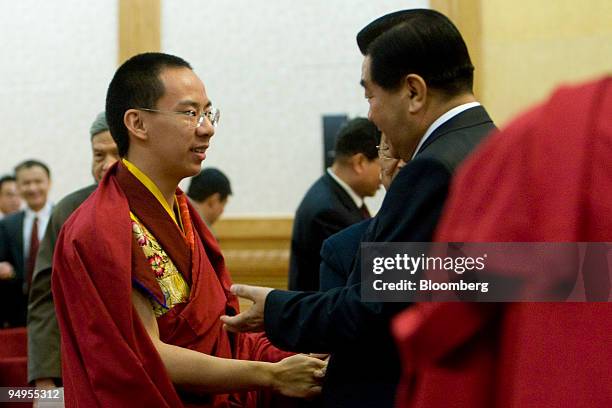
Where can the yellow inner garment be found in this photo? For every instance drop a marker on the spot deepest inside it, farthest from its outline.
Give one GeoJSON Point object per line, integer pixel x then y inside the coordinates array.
{"type": "Point", "coordinates": [172, 284]}
{"type": "Point", "coordinates": [152, 187]}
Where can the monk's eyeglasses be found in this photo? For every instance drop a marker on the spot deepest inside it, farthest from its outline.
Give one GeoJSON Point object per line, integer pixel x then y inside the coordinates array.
{"type": "Point", "coordinates": [212, 114]}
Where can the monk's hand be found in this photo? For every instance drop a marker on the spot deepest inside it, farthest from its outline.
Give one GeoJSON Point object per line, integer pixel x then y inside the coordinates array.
{"type": "Point", "coordinates": [251, 320]}
{"type": "Point", "coordinates": [6, 271]}
{"type": "Point", "coordinates": [299, 376]}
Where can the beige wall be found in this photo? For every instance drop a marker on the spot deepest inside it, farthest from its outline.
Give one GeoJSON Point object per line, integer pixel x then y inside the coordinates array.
{"type": "Point", "coordinates": [139, 27]}
{"type": "Point", "coordinates": [529, 47]}
{"type": "Point", "coordinates": [523, 49]}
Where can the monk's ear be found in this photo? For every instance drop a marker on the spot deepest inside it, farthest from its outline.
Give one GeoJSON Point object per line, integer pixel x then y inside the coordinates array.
{"type": "Point", "coordinates": [133, 121]}
{"type": "Point", "coordinates": [415, 92]}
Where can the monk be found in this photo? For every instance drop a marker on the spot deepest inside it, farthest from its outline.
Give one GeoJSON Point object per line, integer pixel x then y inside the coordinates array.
{"type": "Point", "coordinates": [139, 282]}
{"type": "Point", "coordinates": [545, 178]}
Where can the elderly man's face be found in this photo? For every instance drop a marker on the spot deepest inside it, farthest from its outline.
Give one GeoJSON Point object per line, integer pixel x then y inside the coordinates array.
{"type": "Point", "coordinates": [10, 201]}
{"type": "Point", "coordinates": [388, 111]}
{"type": "Point", "coordinates": [105, 154]}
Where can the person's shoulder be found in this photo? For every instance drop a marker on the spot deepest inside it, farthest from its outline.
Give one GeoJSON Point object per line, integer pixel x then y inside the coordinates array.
{"type": "Point", "coordinates": [76, 197]}
{"type": "Point", "coordinates": [452, 148]}
{"type": "Point", "coordinates": [319, 186]}
{"type": "Point", "coordinates": [347, 236]}
{"type": "Point", "coordinates": [72, 201]}
{"type": "Point", "coordinates": [74, 213]}
{"type": "Point", "coordinates": [13, 218]}
{"type": "Point", "coordinates": [317, 195]}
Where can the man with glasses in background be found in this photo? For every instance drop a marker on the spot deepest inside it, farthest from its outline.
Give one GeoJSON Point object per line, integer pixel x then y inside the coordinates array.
{"type": "Point", "coordinates": [139, 282]}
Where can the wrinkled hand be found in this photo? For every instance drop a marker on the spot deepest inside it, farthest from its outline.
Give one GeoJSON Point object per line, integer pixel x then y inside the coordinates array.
{"type": "Point", "coordinates": [6, 271]}
{"type": "Point", "coordinates": [299, 376]}
{"type": "Point", "coordinates": [251, 320]}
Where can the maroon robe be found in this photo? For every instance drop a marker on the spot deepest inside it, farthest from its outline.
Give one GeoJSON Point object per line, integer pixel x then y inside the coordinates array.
{"type": "Point", "coordinates": [108, 358]}
{"type": "Point", "coordinates": [547, 177]}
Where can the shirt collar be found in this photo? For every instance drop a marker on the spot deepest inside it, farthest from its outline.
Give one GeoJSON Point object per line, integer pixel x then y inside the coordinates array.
{"type": "Point", "coordinates": [441, 120]}
{"type": "Point", "coordinates": [43, 213]}
{"type": "Point", "coordinates": [354, 196]}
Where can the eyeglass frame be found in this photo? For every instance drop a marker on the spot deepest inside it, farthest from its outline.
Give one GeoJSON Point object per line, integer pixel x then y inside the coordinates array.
{"type": "Point", "coordinates": [381, 150]}
{"type": "Point", "coordinates": [213, 115]}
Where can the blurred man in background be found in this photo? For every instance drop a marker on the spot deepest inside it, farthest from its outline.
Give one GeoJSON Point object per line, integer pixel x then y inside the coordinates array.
{"type": "Point", "coordinates": [44, 363]}
{"type": "Point", "coordinates": [209, 192]}
{"type": "Point", "coordinates": [335, 200]}
{"type": "Point", "coordinates": [10, 201]}
{"type": "Point", "coordinates": [20, 234]}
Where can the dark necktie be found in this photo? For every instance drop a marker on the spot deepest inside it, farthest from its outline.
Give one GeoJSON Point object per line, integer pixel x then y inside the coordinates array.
{"type": "Point", "coordinates": [32, 254]}
{"type": "Point", "coordinates": [364, 212]}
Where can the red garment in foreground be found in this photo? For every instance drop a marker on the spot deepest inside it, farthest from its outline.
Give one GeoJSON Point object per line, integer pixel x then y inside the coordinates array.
{"type": "Point", "coordinates": [546, 177]}
{"type": "Point", "coordinates": [108, 358]}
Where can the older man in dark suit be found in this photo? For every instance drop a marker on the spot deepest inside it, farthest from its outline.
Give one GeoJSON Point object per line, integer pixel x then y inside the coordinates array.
{"type": "Point", "coordinates": [338, 251]}
{"type": "Point", "coordinates": [418, 77]}
{"type": "Point", "coordinates": [335, 200]}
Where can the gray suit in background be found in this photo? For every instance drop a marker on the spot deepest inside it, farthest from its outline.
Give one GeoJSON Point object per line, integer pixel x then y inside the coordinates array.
{"type": "Point", "coordinates": [44, 359]}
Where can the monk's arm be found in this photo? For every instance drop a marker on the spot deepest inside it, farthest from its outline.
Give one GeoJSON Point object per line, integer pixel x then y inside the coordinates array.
{"type": "Point", "coordinates": [296, 376]}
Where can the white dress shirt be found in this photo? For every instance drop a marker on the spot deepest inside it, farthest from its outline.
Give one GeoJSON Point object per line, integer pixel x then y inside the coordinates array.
{"type": "Point", "coordinates": [43, 219]}
{"type": "Point", "coordinates": [354, 196]}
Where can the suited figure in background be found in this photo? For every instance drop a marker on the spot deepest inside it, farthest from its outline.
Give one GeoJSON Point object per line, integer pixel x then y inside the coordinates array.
{"type": "Point", "coordinates": [338, 251]}
{"type": "Point", "coordinates": [335, 200]}
{"type": "Point", "coordinates": [44, 363]}
{"type": "Point", "coordinates": [10, 201]}
{"type": "Point", "coordinates": [209, 192]}
{"type": "Point", "coordinates": [20, 234]}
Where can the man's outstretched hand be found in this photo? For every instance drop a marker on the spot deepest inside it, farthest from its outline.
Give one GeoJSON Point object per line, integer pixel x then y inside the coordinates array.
{"type": "Point", "coordinates": [251, 320]}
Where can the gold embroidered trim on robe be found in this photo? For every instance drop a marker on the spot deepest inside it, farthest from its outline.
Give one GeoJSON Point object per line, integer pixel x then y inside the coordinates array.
{"type": "Point", "coordinates": [173, 286]}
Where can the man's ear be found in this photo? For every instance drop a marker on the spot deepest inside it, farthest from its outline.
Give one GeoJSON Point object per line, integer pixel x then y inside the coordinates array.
{"type": "Point", "coordinates": [132, 119]}
{"type": "Point", "coordinates": [212, 199]}
{"type": "Point", "coordinates": [358, 161]}
{"type": "Point", "coordinates": [415, 92]}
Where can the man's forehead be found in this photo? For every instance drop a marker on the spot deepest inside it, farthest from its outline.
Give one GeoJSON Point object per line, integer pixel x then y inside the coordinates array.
{"type": "Point", "coordinates": [183, 87]}
{"type": "Point", "coordinates": [365, 72]}
{"type": "Point", "coordinates": [32, 171]}
{"type": "Point", "coordinates": [8, 185]}
{"type": "Point", "coordinates": [103, 140]}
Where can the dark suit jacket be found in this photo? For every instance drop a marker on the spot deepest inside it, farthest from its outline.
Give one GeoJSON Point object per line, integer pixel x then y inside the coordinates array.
{"type": "Point", "coordinates": [43, 333]}
{"type": "Point", "coordinates": [338, 255]}
{"type": "Point", "coordinates": [325, 209]}
{"type": "Point", "coordinates": [364, 367]}
{"type": "Point", "coordinates": [12, 300]}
